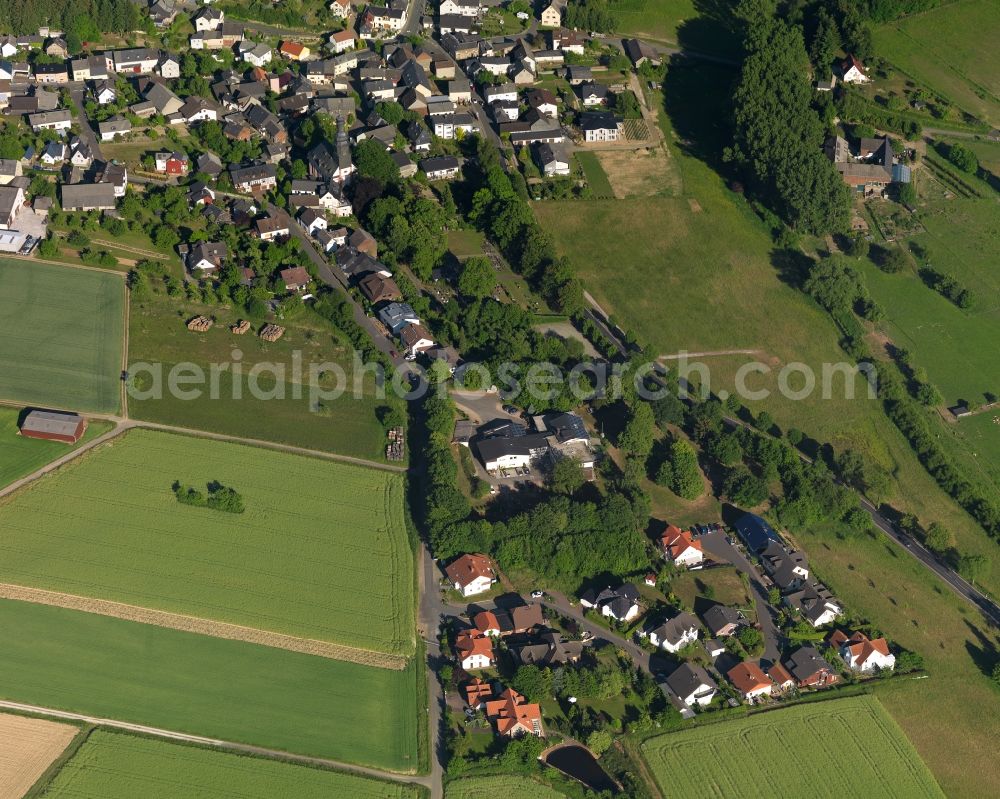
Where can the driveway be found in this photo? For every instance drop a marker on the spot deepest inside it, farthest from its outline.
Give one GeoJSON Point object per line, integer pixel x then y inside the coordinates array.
{"type": "Point", "coordinates": [86, 131]}
{"type": "Point", "coordinates": [482, 406]}
{"type": "Point", "coordinates": [716, 545]}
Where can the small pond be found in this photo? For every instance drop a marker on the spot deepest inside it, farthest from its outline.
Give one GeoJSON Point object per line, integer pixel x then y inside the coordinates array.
{"type": "Point", "coordinates": [579, 763]}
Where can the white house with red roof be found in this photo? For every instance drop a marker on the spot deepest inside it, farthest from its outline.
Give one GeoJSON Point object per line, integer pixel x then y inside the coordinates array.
{"type": "Point", "coordinates": [681, 548]}
{"type": "Point", "coordinates": [749, 679]}
{"type": "Point", "coordinates": [861, 653]}
{"type": "Point", "coordinates": [471, 574]}
{"type": "Point", "coordinates": [474, 650]}
{"type": "Point", "coordinates": [514, 716]}
{"type": "Point", "coordinates": [853, 71]}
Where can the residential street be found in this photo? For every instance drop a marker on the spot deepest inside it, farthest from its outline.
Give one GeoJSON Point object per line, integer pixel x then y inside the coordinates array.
{"type": "Point", "coordinates": [720, 549]}
{"type": "Point", "coordinates": [87, 133]}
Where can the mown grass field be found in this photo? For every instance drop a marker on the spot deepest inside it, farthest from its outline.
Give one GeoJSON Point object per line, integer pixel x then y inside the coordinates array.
{"type": "Point", "coordinates": [824, 749]}
{"type": "Point", "coordinates": [209, 686]}
{"type": "Point", "coordinates": [285, 410]}
{"type": "Point", "coordinates": [63, 332]}
{"type": "Point", "coordinates": [321, 551]}
{"type": "Point", "coordinates": [596, 177]}
{"type": "Point", "coordinates": [507, 785]}
{"type": "Point", "coordinates": [673, 21]}
{"type": "Point", "coordinates": [957, 347]}
{"type": "Point", "coordinates": [112, 765]}
{"type": "Point", "coordinates": [952, 49]}
{"type": "Point", "coordinates": [22, 456]}
{"type": "Point", "coordinates": [465, 244]}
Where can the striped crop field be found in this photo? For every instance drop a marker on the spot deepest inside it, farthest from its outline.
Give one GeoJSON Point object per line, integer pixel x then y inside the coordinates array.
{"type": "Point", "coordinates": [835, 748]}
{"type": "Point", "coordinates": [113, 765]}
{"type": "Point", "coordinates": [320, 553]}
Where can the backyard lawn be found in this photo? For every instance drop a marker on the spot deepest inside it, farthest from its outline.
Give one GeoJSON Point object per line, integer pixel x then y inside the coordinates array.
{"type": "Point", "coordinates": [114, 765]}
{"type": "Point", "coordinates": [321, 551]}
{"type": "Point", "coordinates": [208, 686]}
{"type": "Point", "coordinates": [63, 333]}
{"type": "Point", "coordinates": [597, 179]}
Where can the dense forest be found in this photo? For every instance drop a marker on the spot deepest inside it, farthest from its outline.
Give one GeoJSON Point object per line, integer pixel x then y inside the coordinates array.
{"type": "Point", "coordinates": [80, 20]}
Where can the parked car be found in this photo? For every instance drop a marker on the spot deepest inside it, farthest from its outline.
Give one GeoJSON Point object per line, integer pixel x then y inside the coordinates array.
{"type": "Point", "coordinates": [511, 409]}
{"type": "Point", "coordinates": [537, 594]}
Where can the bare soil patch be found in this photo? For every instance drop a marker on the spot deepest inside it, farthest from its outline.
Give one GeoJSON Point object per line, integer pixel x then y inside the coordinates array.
{"type": "Point", "coordinates": [640, 173]}
{"type": "Point", "coordinates": [28, 747]}
{"type": "Point", "coordinates": [192, 624]}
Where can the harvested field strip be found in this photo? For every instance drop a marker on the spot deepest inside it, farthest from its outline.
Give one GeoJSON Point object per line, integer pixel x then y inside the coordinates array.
{"type": "Point", "coordinates": [320, 553]}
{"type": "Point", "coordinates": [27, 748]}
{"type": "Point", "coordinates": [192, 624]}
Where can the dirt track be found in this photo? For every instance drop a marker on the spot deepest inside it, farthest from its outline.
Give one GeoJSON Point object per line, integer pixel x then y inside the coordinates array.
{"type": "Point", "coordinates": [192, 624]}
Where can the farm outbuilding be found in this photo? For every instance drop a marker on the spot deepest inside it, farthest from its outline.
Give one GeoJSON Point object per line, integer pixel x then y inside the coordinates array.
{"type": "Point", "coordinates": [54, 426]}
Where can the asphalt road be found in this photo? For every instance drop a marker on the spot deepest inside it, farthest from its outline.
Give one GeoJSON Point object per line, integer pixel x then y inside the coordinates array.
{"type": "Point", "coordinates": [86, 131]}
{"type": "Point", "coordinates": [720, 549]}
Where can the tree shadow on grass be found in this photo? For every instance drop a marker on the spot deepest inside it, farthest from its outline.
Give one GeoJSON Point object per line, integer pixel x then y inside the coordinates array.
{"type": "Point", "coordinates": [713, 30]}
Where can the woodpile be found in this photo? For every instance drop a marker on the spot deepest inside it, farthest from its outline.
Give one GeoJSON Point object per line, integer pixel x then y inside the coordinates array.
{"type": "Point", "coordinates": [272, 332]}
{"type": "Point", "coordinates": [200, 324]}
{"type": "Point", "coordinates": [394, 449]}
{"type": "Point", "coordinates": [240, 327]}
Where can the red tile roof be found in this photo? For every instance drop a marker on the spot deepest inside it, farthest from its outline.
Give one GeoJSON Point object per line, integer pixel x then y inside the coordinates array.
{"type": "Point", "coordinates": [472, 642]}
{"type": "Point", "coordinates": [747, 676]}
{"type": "Point", "coordinates": [675, 541]}
{"type": "Point", "coordinates": [467, 568]}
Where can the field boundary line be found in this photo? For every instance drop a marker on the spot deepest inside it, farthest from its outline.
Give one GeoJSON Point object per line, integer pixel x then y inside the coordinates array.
{"type": "Point", "coordinates": [217, 743]}
{"type": "Point", "coordinates": [195, 624]}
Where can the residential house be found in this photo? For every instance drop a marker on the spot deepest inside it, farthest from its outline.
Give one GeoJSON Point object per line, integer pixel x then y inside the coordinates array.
{"type": "Point", "coordinates": [674, 634]}
{"type": "Point", "coordinates": [514, 716]}
{"type": "Point", "coordinates": [787, 569]}
{"type": "Point", "coordinates": [57, 48]}
{"type": "Point", "coordinates": [750, 681]}
{"type": "Point", "coordinates": [254, 178]}
{"type": "Point", "coordinates": [87, 196]}
{"type": "Point", "coordinates": [11, 202]}
{"type": "Point", "coordinates": [164, 100]}
{"type": "Point", "coordinates": [471, 574]}
{"type": "Point", "coordinates": [294, 51]}
{"type": "Point", "coordinates": [755, 533]}
{"type": "Point", "coordinates": [578, 74]}
{"type": "Point", "coordinates": [340, 9]}
{"type": "Point", "coordinates": [504, 92]}
{"type": "Point", "coordinates": [363, 241]}
{"type": "Point", "coordinates": [137, 61]}
{"type": "Point", "coordinates": [543, 101]}
{"type": "Point", "coordinates": [460, 91]}
{"type": "Point", "coordinates": [209, 19]}
{"type": "Point", "coordinates": [621, 603]}
{"type": "Point", "coordinates": [104, 92]}
{"type": "Point", "coordinates": [209, 163]}
{"type": "Point", "coordinates": [551, 16]}
{"type": "Point", "coordinates": [51, 73]}
{"type": "Point", "coordinates": [327, 239]}
{"type": "Point", "coordinates": [416, 339]}
{"type": "Point", "coordinates": [311, 221]}
{"type": "Point", "coordinates": [82, 156]}
{"type": "Point", "coordinates": [198, 109]}
{"type": "Point", "coordinates": [599, 126]}
{"type": "Point", "coordinates": [207, 256]}
{"type": "Point", "coordinates": [592, 94]}
{"type": "Point", "coordinates": [552, 160]}
{"type": "Point", "coordinates": [270, 228]}
{"type": "Point", "coordinates": [377, 21]}
{"type": "Point", "coordinates": [473, 650]}
{"type": "Point", "coordinates": [501, 452]}
{"type": "Point", "coordinates": [342, 41]}
{"type": "Point", "coordinates": [548, 648]}
{"type": "Point", "coordinates": [641, 52]}
{"type": "Point", "coordinates": [377, 288]}
{"type": "Point", "coordinates": [111, 128]}
{"type": "Point", "coordinates": [782, 680]}
{"type": "Point", "coordinates": [10, 168]}
{"type": "Point", "coordinates": [295, 279]}
{"type": "Point", "coordinates": [93, 67]}
{"type": "Point", "coordinates": [259, 55]}
{"type": "Point", "coordinates": [53, 153]}
{"type": "Point", "coordinates": [442, 167]}
{"type": "Point", "coordinates": [692, 685]}
{"type": "Point", "coordinates": [59, 121]}
{"type": "Point", "coordinates": [814, 603]}
{"type": "Point", "coordinates": [722, 620]}
{"type": "Point", "coordinates": [176, 163]}
{"type": "Point", "coordinates": [681, 548]}
{"type": "Point", "coordinates": [861, 653]}
{"type": "Point", "coordinates": [809, 669]}
{"type": "Point", "coordinates": [853, 71]}
{"type": "Point", "coordinates": [169, 67]}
